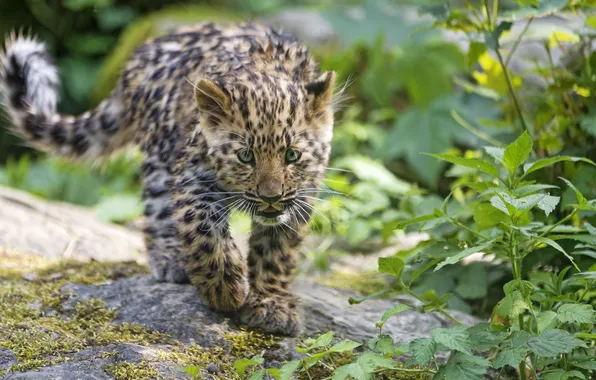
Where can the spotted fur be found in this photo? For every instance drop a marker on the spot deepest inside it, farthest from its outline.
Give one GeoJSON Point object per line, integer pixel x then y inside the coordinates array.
{"type": "Point", "coordinates": [227, 118]}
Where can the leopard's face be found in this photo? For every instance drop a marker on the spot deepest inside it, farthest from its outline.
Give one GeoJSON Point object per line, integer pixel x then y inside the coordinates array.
{"type": "Point", "coordinates": [271, 146]}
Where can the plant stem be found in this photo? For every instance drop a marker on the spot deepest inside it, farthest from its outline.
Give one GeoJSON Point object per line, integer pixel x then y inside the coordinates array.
{"type": "Point", "coordinates": [405, 370]}
{"type": "Point", "coordinates": [440, 310]}
{"type": "Point", "coordinates": [495, 11]}
{"type": "Point", "coordinates": [481, 135]}
{"type": "Point", "coordinates": [488, 18]}
{"type": "Point", "coordinates": [308, 374]}
{"type": "Point", "coordinates": [522, 370]}
{"type": "Point", "coordinates": [512, 256]}
{"type": "Point", "coordinates": [518, 41]}
{"type": "Point", "coordinates": [565, 219]}
{"type": "Point", "coordinates": [516, 102]}
{"type": "Point", "coordinates": [460, 225]}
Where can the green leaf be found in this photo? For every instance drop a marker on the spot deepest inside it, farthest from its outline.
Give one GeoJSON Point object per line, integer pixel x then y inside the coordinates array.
{"type": "Point", "coordinates": [556, 246]}
{"type": "Point", "coordinates": [496, 153]}
{"type": "Point", "coordinates": [79, 5]}
{"type": "Point", "coordinates": [370, 361]}
{"type": "Point", "coordinates": [590, 365]}
{"type": "Point", "coordinates": [241, 364]}
{"type": "Point", "coordinates": [529, 189]}
{"type": "Point", "coordinates": [588, 122]}
{"type": "Point", "coordinates": [373, 171]}
{"type": "Point", "coordinates": [519, 339]}
{"type": "Point", "coordinates": [581, 200]}
{"type": "Point", "coordinates": [454, 338]}
{"type": "Point", "coordinates": [465, 253]}
{"type": "Point", "coordinates": [548, 203]}
{"type": "Point", "coordinates": [532, 3]}
{"type": "Point", "coordinates": [358, 231]}
{"type": "Point", "coordinates": [418, 219]}
{"type": "Point", "coordinates": [576, 313]}
{"type": "Point", "coordinates": [472, 283]}
{"type": "Point", "coordinates": [399, 308]}
{"type": "Point", "coordinates": [344, 345]}
{"type": "Point", "coordinates": [258, 375]}
{"type": "Point", "coordinates": [363, 367]}
{"type": "Point", "coordinates": [415, 131]}
{"type": "Point", "coordinates": [512, 305]}
{"type": "Point", "coordinates": [486, 216]}
{"type": "Point", "coordinates": [587, 239]}
{"type": "Point", "coordinates": [461, 371]}
{"type": "Point", "coordinates": [474, 163]}
{"type": "Point", "coordinates": [192, 370]}
{"type": "Point", "coordinates": [461, 357]}
{"type": "Point", "coordinates": [511, 357]}
{"type": "Point", "coordinates": [423, 350]}
{"type": "Point", "coordinates": [500, 204]}
{"type": "Point", "coordinates": [287, 370]}
{"type": "Point", "coordinates": [517, 152]}
{"type": "Point", "coordinates": [391, 265]}
{"type": "Point", "coordinates": [482, 338]}
{"type": "Point", "coordinates": [350, 371]}
{"type": "Point", "coordinates": [274, 372]}
{"type": "Point", "coordinates": [323, 340]}
{"type": "Point", "coordinates": [544, 8]}
{"type": "Point", "coordinates": [383, 344]}
{"type": "Point", "coordinates": [492, 39]}
{"type": "Point", "coordinates": [546, 320]}
{"type": "Point", "coordinates": [537, 165]}
{"type": "Point", "coordinates": [523, 286]}
{"type": "Point", "coordinates": [553, 342]}
{"type": "Point", "coordinates": [427, 70]}
{"type": "Point", "coordinates": [475, 50]}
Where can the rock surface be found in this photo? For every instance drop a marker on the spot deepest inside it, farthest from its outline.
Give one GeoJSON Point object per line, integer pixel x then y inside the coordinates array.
{"type": "Point", "coordinates": [60, 230]}
{"type": "Point", "coordinates": [168, 308]}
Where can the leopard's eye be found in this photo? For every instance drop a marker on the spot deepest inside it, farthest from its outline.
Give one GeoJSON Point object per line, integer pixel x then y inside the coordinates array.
{"type": "Point", "coordinates": [292, 155]}
{"type": "Point", "coordinates": [246, 156]}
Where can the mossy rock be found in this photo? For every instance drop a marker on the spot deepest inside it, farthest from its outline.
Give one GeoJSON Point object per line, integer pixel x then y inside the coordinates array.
{"type": "Point", "coordinates": [150, 26]}
{"type": "Point", "coordinates": [72, 319]}
{"type": "Point", "coordinates": [110, 320]}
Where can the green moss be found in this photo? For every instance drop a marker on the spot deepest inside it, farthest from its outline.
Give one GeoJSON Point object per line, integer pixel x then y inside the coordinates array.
{"type": "Point", "coordinates": [33, 322]}
{"type": "Point", "coordinates": [365, 283]}
{"type": "Point", "coordinates": [3, 372]}
{"type": "Point", "coordinates": [132, 371]}
{"type": "Point", "coordinates": [248, 343]}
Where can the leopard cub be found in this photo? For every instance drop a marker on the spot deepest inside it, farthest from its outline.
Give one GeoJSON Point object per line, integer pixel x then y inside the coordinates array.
{"type": "Point", "coordinates": [235, 117]}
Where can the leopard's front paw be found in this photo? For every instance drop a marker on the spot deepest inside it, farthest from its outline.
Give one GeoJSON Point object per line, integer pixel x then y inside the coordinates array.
{"type": "Point", "coordinates": [225, 296]}
{"type": "Point", "coordinates": [272, 313]}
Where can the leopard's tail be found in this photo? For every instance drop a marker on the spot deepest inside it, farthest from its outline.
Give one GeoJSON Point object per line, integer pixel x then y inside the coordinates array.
{"type": "Point", "coordinates": [29, 82]}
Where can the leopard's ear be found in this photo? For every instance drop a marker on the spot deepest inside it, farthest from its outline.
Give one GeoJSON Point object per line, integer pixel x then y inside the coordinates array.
{"type": "Point", "coordinates": [321, 89]}
{"type": "Point", "coordinates": [212, 100]}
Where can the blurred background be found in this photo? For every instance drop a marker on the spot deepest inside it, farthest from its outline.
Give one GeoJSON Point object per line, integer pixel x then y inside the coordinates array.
{"type": "Point", "coordinates": [418, 82]}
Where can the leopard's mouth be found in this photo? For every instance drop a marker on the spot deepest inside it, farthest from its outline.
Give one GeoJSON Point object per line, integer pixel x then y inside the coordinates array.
{"type": "Point", "coordinates": [270, 212]}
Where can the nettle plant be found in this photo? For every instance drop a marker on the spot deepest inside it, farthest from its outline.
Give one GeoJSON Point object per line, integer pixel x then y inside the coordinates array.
{"type": "Point", "coordinates": [544, 325]}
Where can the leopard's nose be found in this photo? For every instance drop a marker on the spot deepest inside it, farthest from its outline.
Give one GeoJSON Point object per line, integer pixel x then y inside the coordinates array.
{"type": "Point", "coordinates": [270, 199]}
